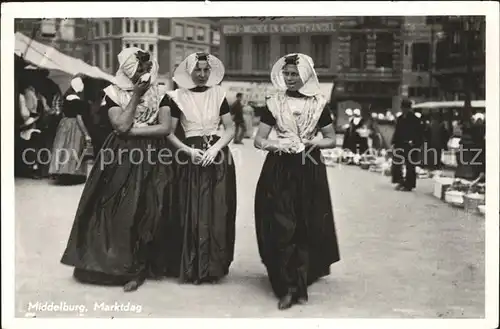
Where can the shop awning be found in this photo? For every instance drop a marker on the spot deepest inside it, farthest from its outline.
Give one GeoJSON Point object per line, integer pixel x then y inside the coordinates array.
{"type": "Point", "coordinates": [256, 92]}
{"type": "Point", "coordinates": [49, 58]}
{"type": "Point", "coordinates": [449, 104]}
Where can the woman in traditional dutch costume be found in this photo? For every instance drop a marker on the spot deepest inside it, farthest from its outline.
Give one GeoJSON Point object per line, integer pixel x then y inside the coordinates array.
{"type": "Point", "coordinates": [72, 137]}
{"type": "Point", "coordinates": [114, 239]}
{"type": "Point", "coordinates": [293, 211]}
{"type": "Point", "coordinates": [206, 178]}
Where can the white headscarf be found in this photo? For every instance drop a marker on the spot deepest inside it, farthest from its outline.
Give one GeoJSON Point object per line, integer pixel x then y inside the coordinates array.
{"type": "Point", "coordinates": [478, 116]}
{"type": "Point", "coordinates": [182, 74]}
{"type": "Point", "coordinates": [348, 112]}
{"type": "Point", "coordinates": [305, 66]}
{"type": "Point", "coordinates": [77, 84]}
{"type": "Point", "coordinates": [121, 92]}
{"type": "Point", "coordinates": [128, 66]}
{"type": "Point", "coordinates": [357, 112]}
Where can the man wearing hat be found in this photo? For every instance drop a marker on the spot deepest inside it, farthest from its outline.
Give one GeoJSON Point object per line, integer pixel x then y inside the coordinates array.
{"type": "Point", "coordinates": [406, 144]}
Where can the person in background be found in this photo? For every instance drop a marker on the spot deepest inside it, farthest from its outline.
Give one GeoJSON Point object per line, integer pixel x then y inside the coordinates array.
{"type": "Point", "coordinates": [347, 143]}
{"type": "Point", "coordinates": [376, 140]}
{"type": "Point", "coordinates": [239, 122]}
{"type": "Point", "coordinates": [478, 134]}
{"type": "Point", "coordinates": [248, 117]}
{"type": "Point", "coordinates": [359, 142]}
{"type": "Point", "coordinates": [72, 138]}
{"type": "Point", "coordinates": [28, 136]}
{"type": "Point", "coordinates": [50, 109]}
{"type": "Point", "coordinates": [406, 143]}
{"type": "Point", "coordinates": [436, 139]}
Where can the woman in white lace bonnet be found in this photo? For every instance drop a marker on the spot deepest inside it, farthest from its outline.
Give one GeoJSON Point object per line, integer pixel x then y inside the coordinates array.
{"type": "Point", "coordinates": [114, 239]}
{"type": "Point", "coordinates": [293, 212]}
{"type": "Point", "coordinates": [206, 176]}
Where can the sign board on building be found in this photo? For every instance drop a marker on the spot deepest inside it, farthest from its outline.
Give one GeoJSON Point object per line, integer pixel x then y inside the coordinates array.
{"type": "Point", "coordinates": [256, 92]}
{"type": "Point", "coordinates": [279, 28]}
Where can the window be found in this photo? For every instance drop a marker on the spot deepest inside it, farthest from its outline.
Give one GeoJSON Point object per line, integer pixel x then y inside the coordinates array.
{"type": "Point", "coordinates": [143, 26]}
{"type": "Point", "coordinates": [179, 31]}
{"type": "Point", "coordinates": [179, 54]}
{"type": "Point", "coordinates": [97, 29]}
{"type": "Point", "coordinates": [420, 56]}
{"type": "Point", "coordinates": [151, 27]}
{"type": "Point", "coordinates": [359, 45]}
{"type": "Point", "coordinates": [97, 55]}
{"type": "Point", "coordinates": [384, 49]}
{"type": "Point", "coordinates": [234, 52]}
{"type": "Point", "coordinates": [215, 37]}
{"type": "Point", "coordinates": [127, 25]}
{"type": "Point", "coordinates": [151, 49]}
{"type": "Point", "coordinates": [107, 55]}
{"type": "Point", "coordinates": [127, 45]}
{"type": "Point", "coordinates": [407, 51]}
{"type": "Point", "coordinates": [200, 34]}
{"type": "Point", "coordinates": [136, 26]}
{"type": "Point", "coordinates": [190, 33]}
{"type": "Point", "coordinates": [136, 45]}
{"type": "Point", "coordinates": [67, 29]}
{"type": "Point", "coordinates": [48, 27]}
{"type": "Point", "coordinates": [260, 52]}
{"type": "Point", "coordinates": [289, 44]}
{"type": "Point", "coordinates": [321, 51]}
{"type": "Point", "coordinates": [107, 28]}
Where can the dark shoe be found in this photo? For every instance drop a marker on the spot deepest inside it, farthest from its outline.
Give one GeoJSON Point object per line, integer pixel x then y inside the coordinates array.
{"type": "Point", "coordinates": [302, 300]}
{"type": "Point", "coordinates": [399, 187]}
{"type": "Point", "coordinates": [133, 285]}
{"type": "Point", "coordinates": [406, 189]}
{"type": "Point", "coordinates": [285, 302]}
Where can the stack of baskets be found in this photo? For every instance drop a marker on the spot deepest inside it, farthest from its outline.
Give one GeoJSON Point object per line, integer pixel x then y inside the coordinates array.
{"type": "Point", "coordinates": [467, 195]}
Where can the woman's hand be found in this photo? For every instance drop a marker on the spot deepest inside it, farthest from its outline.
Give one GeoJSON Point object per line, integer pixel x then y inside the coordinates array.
{"type": "Point", "coordinates": [195, 154]}
{"type": "Point", "coordinates": [309, 143]}
{"type": "Point", "coordinates": [141, 87]}
{"type": "Point", "coordinates": [290, 146]}
{"type": "Point", "coordinates": [209, 156]}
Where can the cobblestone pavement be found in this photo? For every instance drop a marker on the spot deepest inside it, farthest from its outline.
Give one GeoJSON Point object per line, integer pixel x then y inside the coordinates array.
{"type": "Point", "coordinates": [403, 255]}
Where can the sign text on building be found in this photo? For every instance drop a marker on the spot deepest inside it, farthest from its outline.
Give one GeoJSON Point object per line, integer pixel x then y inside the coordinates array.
{"type": "Point", "coordinates": [279, 28]}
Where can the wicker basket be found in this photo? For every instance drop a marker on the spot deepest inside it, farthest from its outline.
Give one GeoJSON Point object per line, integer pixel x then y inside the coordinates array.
{"type": "Point", "coordinates": [472, 201]}
{"type": "Point", "coordinates": [455, 198]}
{"type": "Point", "coordinates": [365, 165]}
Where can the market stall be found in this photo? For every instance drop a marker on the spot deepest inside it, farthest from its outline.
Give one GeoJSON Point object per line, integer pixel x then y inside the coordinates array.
{"type": "Point", "coordinates": [462, 193]}
{"type": "Point", "coordinates": [61, 67]}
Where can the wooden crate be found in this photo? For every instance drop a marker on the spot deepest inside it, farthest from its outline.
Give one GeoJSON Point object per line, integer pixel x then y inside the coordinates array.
{"type": "Point", "coordinates": [440, 186]}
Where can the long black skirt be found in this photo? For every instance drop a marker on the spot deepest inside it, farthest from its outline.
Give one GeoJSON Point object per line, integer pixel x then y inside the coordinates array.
{"type": "Point", "coordinates": [294, 221]}
{"type": "Point", "coordinates": [116, 232]}
{"type": "Point", "coordinates": [207, 214]}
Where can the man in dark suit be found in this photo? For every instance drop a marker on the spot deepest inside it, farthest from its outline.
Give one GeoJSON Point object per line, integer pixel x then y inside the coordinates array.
{"type": "Point", "coordinates": [406, 144]}
{"type": "Point", "coordinates": [237, 113]}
